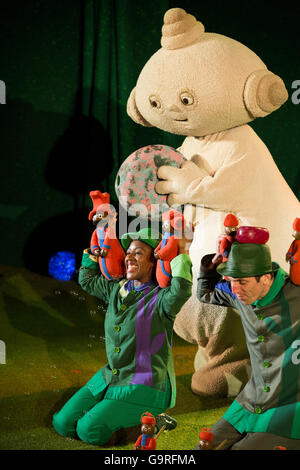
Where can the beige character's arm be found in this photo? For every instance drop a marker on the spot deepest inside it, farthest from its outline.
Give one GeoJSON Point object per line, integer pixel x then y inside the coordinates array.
{"type": "Point", "coordinates": [177, 180]}
{"type": "Point", "coordinates": [193, 185]}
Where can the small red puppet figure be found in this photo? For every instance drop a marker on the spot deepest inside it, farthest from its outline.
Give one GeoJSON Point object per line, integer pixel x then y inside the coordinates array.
{"type": "Point", "coordinates": [146, 441]}
{"type": "Point", "coordinates": [168, 247]}
{"type": "Point", "coordinates": [104, 242]}
{"type": "Point", "coordinates": [293, 254]}
{"type": "Point", "coordinates": [231, 224]}
{"type": "Point", "coordinates": [206, 439]}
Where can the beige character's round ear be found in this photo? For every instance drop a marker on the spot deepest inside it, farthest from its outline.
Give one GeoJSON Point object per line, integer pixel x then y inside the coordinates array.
{"type": "Point", "coordinates": [264, 92]}
{"type": "Point", "coordinates": [133, 111]}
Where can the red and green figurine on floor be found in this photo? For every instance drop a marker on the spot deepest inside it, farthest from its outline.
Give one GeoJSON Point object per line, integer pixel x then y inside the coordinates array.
{"type": "Point", "coordinates": [146, 441]}
{"type": "Point", "coordinates": [150, 424]}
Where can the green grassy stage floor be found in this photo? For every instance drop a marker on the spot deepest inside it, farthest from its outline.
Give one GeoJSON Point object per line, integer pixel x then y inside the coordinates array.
{"type": "Point", "coordinates": [53, 332]}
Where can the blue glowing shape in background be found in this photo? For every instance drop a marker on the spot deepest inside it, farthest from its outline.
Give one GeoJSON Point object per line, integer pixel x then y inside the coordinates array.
{"type": "Point", "coordinates": [62, 266]}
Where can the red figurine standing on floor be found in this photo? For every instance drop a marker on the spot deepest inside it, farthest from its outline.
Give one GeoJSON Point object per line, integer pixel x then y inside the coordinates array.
{"type": "Point", "coordinates": [206, 439]}
{"type": "Point", "coordinates": [293, 254]}
{"type": "Point", "coordinates": [168, 247]}
{"type": "Point", "coordinates": [146, 441]}
{"type": "Point", "coordinates": [104, 242]}
{"type": "Point", "coordinates": [231, 224]}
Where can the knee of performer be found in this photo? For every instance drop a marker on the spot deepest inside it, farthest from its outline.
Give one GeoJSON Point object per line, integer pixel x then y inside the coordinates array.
{"type": "Point", "coordinates": [62, 425]}
{"type": "Point", "coordinates": [93, 434]}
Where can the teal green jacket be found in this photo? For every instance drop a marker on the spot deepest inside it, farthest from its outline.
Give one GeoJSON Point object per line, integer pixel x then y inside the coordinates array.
{"type": "Point", "coordinates": [270, 401]}
{"type": "Point", "coordinates": [138, 334]}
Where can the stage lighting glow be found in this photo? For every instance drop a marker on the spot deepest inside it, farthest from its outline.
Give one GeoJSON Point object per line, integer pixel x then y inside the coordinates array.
{"type": "Point", "coordinates": [62, 266]}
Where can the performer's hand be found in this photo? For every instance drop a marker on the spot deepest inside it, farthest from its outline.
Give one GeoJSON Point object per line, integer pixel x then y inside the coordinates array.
{"type": "Point", "coordinates": [185, 239]}
{"type": "Point", "coordinates": [103, 253]}
{"type": "Point", "coordinates": [218, 258]}
{"type": "Point", "coordinates": [156, 255]}
{"type": "Point", "coordinates": [96, 252]}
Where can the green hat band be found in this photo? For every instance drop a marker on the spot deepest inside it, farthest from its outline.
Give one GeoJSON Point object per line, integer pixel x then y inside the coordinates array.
{"type": "Point", "coordinates": [145, 235]}
{"type": "Point", "coordinates": [247, 260]}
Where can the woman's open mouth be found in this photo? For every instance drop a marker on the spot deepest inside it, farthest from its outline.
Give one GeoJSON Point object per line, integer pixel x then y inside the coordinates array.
{"type": "Point", "coordinates": [131, 267]}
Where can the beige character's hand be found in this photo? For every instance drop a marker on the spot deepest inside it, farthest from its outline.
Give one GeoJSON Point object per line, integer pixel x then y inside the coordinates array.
{"type": "Point", "coordinates": [177, 181]}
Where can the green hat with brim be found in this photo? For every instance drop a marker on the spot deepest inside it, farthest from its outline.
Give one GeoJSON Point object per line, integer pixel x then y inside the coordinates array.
{"type": "Point", "coordinates": [247, 260]}
{"type": "Point", "coordinates": [145, 235]}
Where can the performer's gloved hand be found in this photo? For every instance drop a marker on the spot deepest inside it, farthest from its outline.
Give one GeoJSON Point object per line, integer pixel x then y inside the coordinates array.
{"type": "Point", "coordinates": [185, 239]}
{"type": "Point", "coordinates": [218, 258]}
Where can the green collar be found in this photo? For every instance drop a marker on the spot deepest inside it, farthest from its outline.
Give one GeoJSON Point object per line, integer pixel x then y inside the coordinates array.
{"type": "Point", "coordinates": [277, 285]}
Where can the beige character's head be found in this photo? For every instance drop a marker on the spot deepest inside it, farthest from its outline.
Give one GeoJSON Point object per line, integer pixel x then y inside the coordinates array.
{"type": "Point", "coordinates": [201, 83]}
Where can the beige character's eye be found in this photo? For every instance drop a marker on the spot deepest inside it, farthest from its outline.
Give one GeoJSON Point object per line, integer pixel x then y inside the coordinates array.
{"type": "Point", "coordinates": [155, 102]}
{"type": "Point", "coordinates": [186, 98]}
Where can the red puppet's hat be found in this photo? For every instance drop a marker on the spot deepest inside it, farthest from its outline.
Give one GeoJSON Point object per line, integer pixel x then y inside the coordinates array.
{"type": "Point", "coordinates": [231, 221]}
{"type": "Point", "coordinates": [296, 224]}
{"type": "Point", "coordinates": [98, 199]}
{"type": "Point", "coordinates": [206, 434]}
{"type": "Point", "coordinates": [148, 418]}
{"type": "Point", "coordinates": [175, 217]}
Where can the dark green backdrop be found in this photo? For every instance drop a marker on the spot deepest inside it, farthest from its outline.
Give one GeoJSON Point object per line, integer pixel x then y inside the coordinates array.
{"type": "Point", "coordinates": [69, 67]}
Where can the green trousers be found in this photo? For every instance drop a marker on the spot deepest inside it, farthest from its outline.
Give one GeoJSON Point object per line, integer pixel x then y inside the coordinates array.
{"type": "Point", "coordinates": [95, 419]}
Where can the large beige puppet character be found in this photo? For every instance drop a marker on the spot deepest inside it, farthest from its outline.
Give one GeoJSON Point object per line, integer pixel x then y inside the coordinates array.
{"type": "Point", "coordinates": [207, 87]}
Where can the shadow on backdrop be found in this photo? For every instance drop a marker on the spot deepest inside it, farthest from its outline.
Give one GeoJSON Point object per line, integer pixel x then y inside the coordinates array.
{"type": "Point", "coordinates": [81, 160]}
